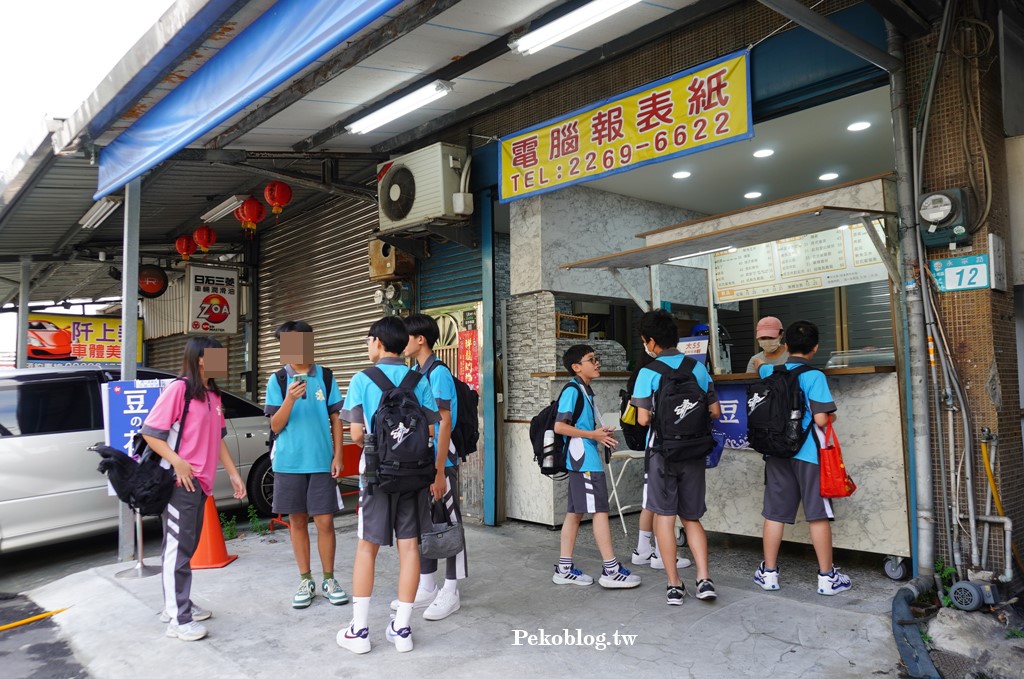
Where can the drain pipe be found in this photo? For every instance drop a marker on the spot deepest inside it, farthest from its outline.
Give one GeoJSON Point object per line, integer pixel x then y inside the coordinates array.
{"type": "Point", "coordinates": [906, 632]}
{"type": "Point", "coordinates": [924, 562]}
{"type": "Point", "coordinates": [1007, 525]}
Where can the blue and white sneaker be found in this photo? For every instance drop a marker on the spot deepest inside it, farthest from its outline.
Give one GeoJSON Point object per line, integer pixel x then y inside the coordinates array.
{"type": "Point", "coordinates": [767, 579]}
{"type": "Point", "coordinates": [833, 582]}
{"type": "Point", "coordinates": [620, 579]}
{"type": "Point", "coordinates": [401, 638]}
{"type": "Point", "coordinates": [356, 641]}
{"type": "Point", "coordinates": [572, 576]}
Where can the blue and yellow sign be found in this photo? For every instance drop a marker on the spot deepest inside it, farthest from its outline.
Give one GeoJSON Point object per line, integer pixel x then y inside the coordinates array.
{"type": "Point", "coordinates": [698, 109]}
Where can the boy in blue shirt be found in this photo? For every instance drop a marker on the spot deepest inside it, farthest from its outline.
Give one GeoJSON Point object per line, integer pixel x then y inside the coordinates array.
{"type": "Point", "coordinates": [790, 481]}
{"type": "Point", "coordinates": [588, 488]}
{"type": "Point", "coordinates": [306, 459]}
{"type": "Point", "coordinates": [423, 335]}
{"type": "Point", "coordinates": [668, 494]}
{"type": "Point", "coordinates": [384, 516]}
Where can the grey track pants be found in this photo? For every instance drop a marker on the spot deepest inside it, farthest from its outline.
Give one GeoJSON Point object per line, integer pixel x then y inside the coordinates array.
{"type": "Point", "coordinates": [183, 523]}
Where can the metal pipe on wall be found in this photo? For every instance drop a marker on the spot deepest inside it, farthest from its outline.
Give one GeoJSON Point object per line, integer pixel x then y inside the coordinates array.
{"type": "Point", "coordinates": [24, 292]}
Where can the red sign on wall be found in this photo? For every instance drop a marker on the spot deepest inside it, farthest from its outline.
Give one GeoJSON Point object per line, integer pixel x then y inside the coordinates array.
{"type": "Point", "coordinates": [469, 358]}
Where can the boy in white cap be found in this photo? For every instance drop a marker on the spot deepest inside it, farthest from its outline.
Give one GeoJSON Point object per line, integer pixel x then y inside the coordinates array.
{"type": "Point", "coordinates": [773, 344]}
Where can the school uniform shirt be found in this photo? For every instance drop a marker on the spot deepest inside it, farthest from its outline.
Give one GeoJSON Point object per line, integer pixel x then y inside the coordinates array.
{"type": "Point", "coordinates": [583, 453]}
{"type": "Point", "coordinates": [442, 386]}
{"type": "Point", "coordinates": [648, 381]}
{"type": "Point", "coordinates": [817, 399]}
{"type": "Point", "coordinates": [205, 428]}
{"type": "Point", "coordinates": [305, 445]}
{"type": "Point", "coordinates": [363, 397]}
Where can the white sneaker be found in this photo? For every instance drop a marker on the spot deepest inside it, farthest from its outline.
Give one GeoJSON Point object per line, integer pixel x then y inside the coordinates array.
{"type": "Point", "coordinates": [445, 603]}
{"type": "Point", "coordinates": [620, 579]}
{"type": "Point", "coordinates": [357, 642]}
{"type": "Point", "coordinates": [422, 600]}
{"type": "Point", "coordinates": [642, 559]}
{"type": "Point", "coordinates": [193, 631]}
{"type": "Point", "coordinates": [198, 614]}
{"type": "Point", "coordinates": [573, 576]}
{"type": "Point", "coordinates": [833, 583]}
{"type": "Point", "coordinates": [402, 638]}
{"type": "Point", "coordinates": [768, 580]}
{"type": "Point", "coordinates": [658, 564]}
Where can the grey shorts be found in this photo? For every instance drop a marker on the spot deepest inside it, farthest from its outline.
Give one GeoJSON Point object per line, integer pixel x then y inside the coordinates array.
{"type": "Point", "coordinates": [588, 493]}
{"type": "Point", "coordinates": [383, 517]}
{"type": "Point", "coordinates": [679, 494]}
{"type": "Point", "coordinates": [312, 494]}
{"type": "Point", "coordinates": [787, 483]}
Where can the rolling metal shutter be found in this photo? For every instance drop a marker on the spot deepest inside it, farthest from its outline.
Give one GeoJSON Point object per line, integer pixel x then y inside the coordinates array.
{"type": "Point", "coordinates": [315, 268]}
{"type": "Point", "coordinates": [165, 353]}
{"type": "Point", "coordinates": [451, 275]}
{"type": "Point", "coordinates": [869, 315]}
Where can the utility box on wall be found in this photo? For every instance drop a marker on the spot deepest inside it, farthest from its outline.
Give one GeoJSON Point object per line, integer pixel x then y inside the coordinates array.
{"type": "Point", "coordinates": [388, 262]}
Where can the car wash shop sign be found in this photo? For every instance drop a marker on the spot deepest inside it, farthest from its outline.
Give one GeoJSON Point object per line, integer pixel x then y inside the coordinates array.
{"type": "Point", "coordinates": [212, 301]}
{"type": "Point", "coordinates": [698, 109]}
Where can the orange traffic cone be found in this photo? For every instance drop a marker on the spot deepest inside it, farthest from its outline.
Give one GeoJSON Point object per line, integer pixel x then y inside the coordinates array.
{"type": "Point", "coordinates": [211, 552]}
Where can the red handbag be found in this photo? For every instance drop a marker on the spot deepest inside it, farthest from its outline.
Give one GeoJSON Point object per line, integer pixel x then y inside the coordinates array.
{"type": "Point", "coordinates": [835, 481]}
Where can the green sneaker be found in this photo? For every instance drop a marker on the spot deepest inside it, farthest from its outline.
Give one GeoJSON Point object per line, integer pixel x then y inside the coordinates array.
{"type": "Point", "coordinates": [304, 596]}
{"type": "Point", "coordinates": [333, 591]}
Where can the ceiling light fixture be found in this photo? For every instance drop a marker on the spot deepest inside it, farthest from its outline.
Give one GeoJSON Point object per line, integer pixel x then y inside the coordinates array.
{"type": "Point", "coordinates": [564, 26]}
{"type": "Point", "coordinates": [763, 153]}
{"type": "Point", "coordinates": [843, 227]}
{"type": "Point", "coordinates": [752, 194]}
{"type": "Point", "coordinates": [857, 127]}
{"type": "Point", "coordinates": [100, 210]}
{"type": "Point", "coordinates": [401, 107]}
{"type": "Point", "coordinates": [828, 176]}
{"type": "Point", "coordinates": [224, 209]}
{"type": "Point", "coordinates": [702, 252]}
{"type": "Point", "coordinates": [680, 175]}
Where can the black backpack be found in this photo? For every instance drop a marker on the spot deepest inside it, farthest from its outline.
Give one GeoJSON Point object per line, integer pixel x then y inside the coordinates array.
{"type": "Point", "coordinates": [775, 411]}
{"type": "Point", "coordinates": [466, 432]}
{"type": "Point", "coordinates": [681, 422]}
{"type": "Point", "coordinates": [282, 382]}
{"type": "Point", "coordinates": [549, 448]}
{"type": "Point", "coordinates": [401, 436]}
{"type": "Point", "coordinates": [634, 434]}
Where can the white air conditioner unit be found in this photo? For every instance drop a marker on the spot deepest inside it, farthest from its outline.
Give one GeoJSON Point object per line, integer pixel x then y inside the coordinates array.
{"type": "Point", "coordinates": [419, 188]}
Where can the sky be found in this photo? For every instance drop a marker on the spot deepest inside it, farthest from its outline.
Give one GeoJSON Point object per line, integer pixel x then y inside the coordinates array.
{"type": "Point", "coordinates": [55, 53]}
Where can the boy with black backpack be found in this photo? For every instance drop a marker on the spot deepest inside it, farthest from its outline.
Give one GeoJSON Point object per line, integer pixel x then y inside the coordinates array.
{"type": "Point", "coordinates": [794, 478]}
{"type": "Point", "coordinates": [423, 334]}
{"type": "Point", "coordinates": [392, 413]}
{"type": "Point", "coordinates": [588, 488]}
{"type": "Point", "coordinates": [674, 394]}
{"type": "Point", "coordinates": [303, 403]}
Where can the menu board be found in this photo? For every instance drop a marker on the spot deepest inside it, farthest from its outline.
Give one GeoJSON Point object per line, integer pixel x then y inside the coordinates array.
{"type": "Point", "coordinates": [826, 259]}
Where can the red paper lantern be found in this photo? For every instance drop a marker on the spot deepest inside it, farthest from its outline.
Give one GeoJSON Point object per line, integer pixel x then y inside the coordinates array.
{"type": "Point", "coordinates": [205, 237]}
{"type": "Point", "coordinates": [277, 194]}
{"type": "Point", "coordinates": [250, 213]}
{"type": "Point", "coordinates": [185, 246]}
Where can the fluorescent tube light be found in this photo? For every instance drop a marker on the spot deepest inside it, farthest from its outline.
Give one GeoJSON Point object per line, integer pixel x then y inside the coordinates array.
{"type": "Point", "coordinates": [397, 109]}
{"type": "Point", "coordinates": [100, 210]}
{"type": "Point", "coordinates": [564, 26]}
{"type": "Point", "coordinates": [224, 209]}
{"type": "Point", "coordinates": [702, 252]}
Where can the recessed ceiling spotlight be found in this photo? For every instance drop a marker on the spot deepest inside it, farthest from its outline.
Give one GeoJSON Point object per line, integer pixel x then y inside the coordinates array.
{"type": "Point", "coordinates": [763, 153]}
{"type": "Point", "coordinates": [752, 194]}
{"type": "Point", "coordinates": [828, 176]}
{"type": "Point", "coordinates": [858, 127]}
{"type": "Point", "coordinates": [680, 175]}
{"type": "Point", "coordinates": [843, 227]}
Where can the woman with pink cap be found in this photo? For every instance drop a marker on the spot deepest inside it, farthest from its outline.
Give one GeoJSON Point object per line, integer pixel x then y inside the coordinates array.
{"type": "Point", "coordinates": [773, 348]}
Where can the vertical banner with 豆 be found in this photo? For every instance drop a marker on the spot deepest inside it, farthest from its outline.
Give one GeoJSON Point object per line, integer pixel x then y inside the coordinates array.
{"type": "Point", "coordinates": [125, 406]}
{"type": "Point", "coordinates": [212, 300]}
{"type": "Point", "coordinates": [692, 111]}
{"type": "Point", "coordinates": [63, 340]}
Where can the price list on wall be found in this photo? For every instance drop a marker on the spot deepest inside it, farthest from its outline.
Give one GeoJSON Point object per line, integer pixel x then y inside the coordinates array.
{"type": "Point", "coordinates": [826, 259]}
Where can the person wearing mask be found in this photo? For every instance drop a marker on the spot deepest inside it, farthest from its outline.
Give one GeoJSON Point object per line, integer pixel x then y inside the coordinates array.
{"type": "Point", "coordinates": [773, 346]}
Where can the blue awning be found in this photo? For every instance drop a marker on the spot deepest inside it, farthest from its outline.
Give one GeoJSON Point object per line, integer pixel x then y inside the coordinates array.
{"type": "Point", "coordinates": [287, 38]}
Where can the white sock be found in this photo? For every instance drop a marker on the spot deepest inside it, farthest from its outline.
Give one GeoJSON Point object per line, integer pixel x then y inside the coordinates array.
{"type": "Point", "coordinates": [427, 583]}
{"type": "Point", "coordinates": [643, 543]}
{"type": "Point", "coordinates": [451, 586]}
{"type": "Point", "coordinates": [360, 612]}
{"type": "Point", "coordinates": [403, 615]}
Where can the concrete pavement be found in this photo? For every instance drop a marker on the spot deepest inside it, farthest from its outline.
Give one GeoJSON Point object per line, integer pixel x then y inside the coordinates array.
{"type": "Point", "coordinates": [113, 629]}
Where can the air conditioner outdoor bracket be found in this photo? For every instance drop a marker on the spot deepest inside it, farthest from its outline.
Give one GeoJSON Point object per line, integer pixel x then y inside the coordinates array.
{"type": "Point", "coordinates": [414, 246]}
{"type": "Point", "coordinates": [456, 234]}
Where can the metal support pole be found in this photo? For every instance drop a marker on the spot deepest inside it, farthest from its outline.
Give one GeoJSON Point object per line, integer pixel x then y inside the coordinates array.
{"type": "Point", "coordinates": [488, 391]}
{"type": "Point", "coordinates": [25, 291]}
{"type": "Point", "coordinates": [713, 340]}
{"type": "Point", "coordinates": [129, 340]}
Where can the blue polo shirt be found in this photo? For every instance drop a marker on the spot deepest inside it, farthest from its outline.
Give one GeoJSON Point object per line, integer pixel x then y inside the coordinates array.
{"type": "Point", "coordinates": [817, 399]}
{"type": "Point", "coordinates": [583, 453]}
{"type": "Point", "coordinates": [363, 397]}
{"type": "Point", "coordinates": [305, 445]}
{"type": "Point", "coordinates": [648, 381]}
{"type": "Point", "coordinates": [442, 386]}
